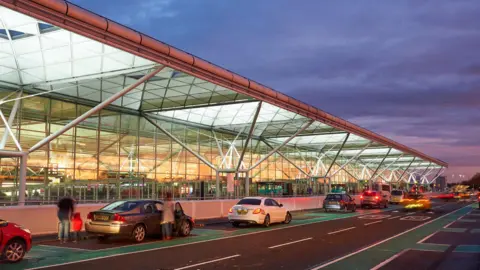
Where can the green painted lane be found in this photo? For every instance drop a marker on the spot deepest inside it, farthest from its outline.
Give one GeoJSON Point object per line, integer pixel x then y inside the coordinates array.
{"type": "Point", "coordinates": [455, 230]}
{"type": "Point", "coordinates": [39, 257]}
{"type": "Point", "coordinates": [371, 257]}
{"type": "Point", "coordinates": [467, 248]}
{"type": "Point", "coordinates": [431, 247]}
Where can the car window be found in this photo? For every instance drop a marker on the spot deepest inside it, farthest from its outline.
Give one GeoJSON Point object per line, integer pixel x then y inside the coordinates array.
{"type": "Point", "coordinates": [268, 202]}
{"type": "Point", "coordinates": [397, 192]}
{"type": "Point", "coordinates": [178, 207]}
{"type": "Point", "coordinates": [335, 197]}
{"type": "Point", "coordinates": [148, 208]}
{"type": "Point", "coordinates": [121, 206]}
{"type": "Point", "coordinates": [158, 207]}
{"type": "Point", "coordinates": [348, 198]}
{"type": "Point", "coordinates": [250, 201]}
{"type": "Point", "coordinates": [274, 203]}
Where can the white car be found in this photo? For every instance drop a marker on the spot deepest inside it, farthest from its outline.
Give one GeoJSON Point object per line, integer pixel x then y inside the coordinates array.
{"type": "Point", "coordinates": [258, 210]}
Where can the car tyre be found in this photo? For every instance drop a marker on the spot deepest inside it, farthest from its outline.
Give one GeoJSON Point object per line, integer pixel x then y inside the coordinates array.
{"type": "Point", "coordinates": [138, 233]}
{"type": "Point", "coordinates": [288, 218]}
{"type": "Point", "coordinates": [235, 224]}
{"type": "Point", "coordinates": [185, 229]}
{"type": "Point", "coordinates": [326, 210]}
{"type": "Point", "coordinates": [354, 209]}
{"type": "Point", "coordinates": [14, 251]}
{"type": "Point", "coordinates": [266, 221]}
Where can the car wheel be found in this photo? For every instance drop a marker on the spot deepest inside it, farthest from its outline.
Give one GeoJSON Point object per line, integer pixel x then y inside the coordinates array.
{"type": "Point", "coordinates": [14, 250]}
{"type": "Point", "coordinates": [354, 208]}
{"type": "Point", "coordinates": [138, 233]}
{"type": "Point", "coordinates": [266, 222]}
{"type": "Point", "coordinates": [235, 224]}
{"type": "Point", "coordinates": [185, 229]}
{"type": "Point", "coordinates": [326, 210]}
{"type": "Point", "coordinates": [288, 218]}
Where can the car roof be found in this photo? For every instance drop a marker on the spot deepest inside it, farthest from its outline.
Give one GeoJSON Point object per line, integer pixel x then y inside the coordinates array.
{"type": "Point", "coordinates": [258, 198]}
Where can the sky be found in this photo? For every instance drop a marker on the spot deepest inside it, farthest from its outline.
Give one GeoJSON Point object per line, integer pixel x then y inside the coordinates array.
{"type": "Point", "coordinates": [409, 70]}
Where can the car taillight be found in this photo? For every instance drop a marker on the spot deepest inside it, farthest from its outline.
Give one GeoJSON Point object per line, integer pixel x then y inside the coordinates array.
{"type": "Point", "coordinates": [230, 210]}
{"type": "Point", "coordinates": [342, 202]}
{"type": "Point", "coordinates": [118, 217]}
{"type": "Point", "coordinates": [376, 198]}
{"type": "Point", "coordinates": [361, 197]}
{"type": "Point", "coordinates": [258, 211]}
{"type": "Point", "coordinates": [90, 216]}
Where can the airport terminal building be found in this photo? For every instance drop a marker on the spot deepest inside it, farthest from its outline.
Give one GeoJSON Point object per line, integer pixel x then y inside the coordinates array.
{"type": "Point", "coordinates": [99, 111]}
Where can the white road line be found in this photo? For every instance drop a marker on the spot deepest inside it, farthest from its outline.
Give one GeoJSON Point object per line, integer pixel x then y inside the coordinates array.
{"type": "Point", "coordinates": [394, 217]}
{"type": "Point", "coordinates": [198, 242]}
{"type": "Point", "coordinates": [60, 247]}
{"type": "Point", "coordinates": [412, 213]}
{"type": "Point", "coordinates": [342, 230]}
{"type": "Point", "coordinates": [426, 238]}
{"type": "Point", "coordinates": [382, 264]}
{"type": "Point", "coordinates": [212, 261]}
{"type": "Point", "coordinates": [366, 224]}
{"type": "Point", "coordinates": [293, 242]}
{"type": "Point", "coordinates": [385, 240]}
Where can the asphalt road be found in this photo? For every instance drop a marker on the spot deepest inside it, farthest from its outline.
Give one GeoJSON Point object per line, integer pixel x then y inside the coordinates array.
{"type": "Point", "coordinates": [294, 247]}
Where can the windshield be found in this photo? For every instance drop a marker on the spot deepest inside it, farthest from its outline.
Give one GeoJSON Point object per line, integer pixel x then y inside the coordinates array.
{"type": "Point", "coordinates": [121, 206]}
{"type": "Point", "coordinates": [397, 193]}
{"type": "Point", "coordinates": [334, 197]}
{"type": "Point", "coordinates": [250, 202]}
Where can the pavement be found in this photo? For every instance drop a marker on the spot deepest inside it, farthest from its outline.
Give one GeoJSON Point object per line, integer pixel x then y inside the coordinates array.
{"type": "Point", "coordinates": [368, 239]}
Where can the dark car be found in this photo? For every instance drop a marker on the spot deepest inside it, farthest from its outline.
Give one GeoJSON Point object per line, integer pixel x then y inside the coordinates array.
{"type": "Point", "coordinates": [135, 219]}
{"type": "Point", "coordinates": [372, 199]}
{"type": "Point", "coordinates": [339, 202]}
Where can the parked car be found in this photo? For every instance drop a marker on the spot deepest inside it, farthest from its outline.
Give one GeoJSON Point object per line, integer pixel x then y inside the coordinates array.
{"type": "Point", "coordinates": [258, 210]}
{"type": "Point", "coordinates": [339, 202]}
{"type": "Point", "coordinates": [372, 198]}
{"type": "Point", "coordinates": [396, 196]}
{"type": "Point", "coordinates": [15, 241]}
{"type": "Point", "coordinates": [134, 219]}
{"type": "Point", "coordinates": [416, 201]}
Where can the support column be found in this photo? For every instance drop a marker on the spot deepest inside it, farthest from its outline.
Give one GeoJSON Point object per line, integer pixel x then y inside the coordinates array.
{"type": "Point", "coordinates": [217, 187]}
{"type": "Point", "coordinates": [247, 185]}
{"type": "Point", "coordinates": [22, 180]}
{"type": "Point", "coordinates": [11, 118]}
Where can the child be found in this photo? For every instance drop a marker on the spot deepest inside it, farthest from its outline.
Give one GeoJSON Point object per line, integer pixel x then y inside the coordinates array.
{"type": "Point", "coordinates": [77, 226]}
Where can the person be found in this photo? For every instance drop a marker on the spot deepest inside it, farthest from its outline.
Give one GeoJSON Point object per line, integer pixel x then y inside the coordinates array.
{"type": "Point", "coordinates": [76, 226]}
{"type": "Point", "coordinates": [168, 218]}
{"type": "Point", "coordinates": [64, 214]}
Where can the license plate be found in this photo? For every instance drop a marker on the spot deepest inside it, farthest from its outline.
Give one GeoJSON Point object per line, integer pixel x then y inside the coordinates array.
{"type": "Point", "coordinates": [102, 218]}
{"type": "Point", "coordinates": [331, 202]}
{"type": "Point", "coordinates": [242, 211]}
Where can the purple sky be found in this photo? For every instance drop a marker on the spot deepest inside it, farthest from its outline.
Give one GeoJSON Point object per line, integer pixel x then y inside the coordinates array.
{"type": "Point", "coordinates": [409, 70]}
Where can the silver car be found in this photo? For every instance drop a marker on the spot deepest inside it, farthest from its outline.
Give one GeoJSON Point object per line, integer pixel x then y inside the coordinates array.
{"type": "Point", "coordinates": [134, 219]}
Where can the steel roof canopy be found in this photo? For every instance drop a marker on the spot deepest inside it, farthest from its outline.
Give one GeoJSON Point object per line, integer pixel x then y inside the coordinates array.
{"type": "Point", "coordinates": [81, 21]}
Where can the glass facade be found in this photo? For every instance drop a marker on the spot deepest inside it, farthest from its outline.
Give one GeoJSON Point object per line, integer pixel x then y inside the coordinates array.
{"type": "Point", "coordinates": [173, 132]}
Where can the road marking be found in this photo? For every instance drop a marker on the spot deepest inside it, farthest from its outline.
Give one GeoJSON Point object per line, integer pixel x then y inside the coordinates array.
{"type": "Point", "coordinates": [426, 238]}
{"type": "Point", "coordinates": [394, 217]}
{"type": "Point", "coordinates": [366, 224]}
{"type": "Point", "coordinates": [342, 230]}
{"type": "Point", "coordinates": [194, 243]}
{"type": "Point", "coordinates": [212, 261]}
{"type": "Point", "coordinates": [415, 218]}
{"type": "Point", "coordinates": [382, 264]}
{"type": "Point", "coordinates": [385, 240]}
{"type": "Point", "coordinates": [448, 225]}
{"type": "Point", "coordinates": [293, 242]}
{"type": "Point", "coordinates": [374, 216]}
{"type": "Point", "coordinates": [60, 247]}
{"type": "Point", "coordinates": [408, 214]}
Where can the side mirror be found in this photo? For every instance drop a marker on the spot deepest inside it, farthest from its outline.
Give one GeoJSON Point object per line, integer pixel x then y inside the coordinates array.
{"type": "Point", "coordinates": [281, 205]}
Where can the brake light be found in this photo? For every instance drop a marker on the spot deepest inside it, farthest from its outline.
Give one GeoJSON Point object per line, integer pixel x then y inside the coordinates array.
{"type": "Point", "coordinates": [90, 216]}
{"type": "Point", "coordinates": [259, 211]}
{"type": "Point", "coordinates": [342, 202]}
{"type": "Point", "coordinates": [376, 198]}
{"type": "Point", "coordinates": [361, 197]}
{"type": "Point", "coordinates": [119, 218]}
{"type": "Point", "coordinates": [230, 210]}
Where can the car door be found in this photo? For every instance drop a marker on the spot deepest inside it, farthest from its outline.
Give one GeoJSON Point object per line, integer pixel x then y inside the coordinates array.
{"type": "Point", "coordinates": [348, 201]}
{"type": "Point", "coordinates": [150, 217]}
{"type": "Point", "coordinates": [269, 209]}
{"type": "Point", "coordinates": [280, 211]}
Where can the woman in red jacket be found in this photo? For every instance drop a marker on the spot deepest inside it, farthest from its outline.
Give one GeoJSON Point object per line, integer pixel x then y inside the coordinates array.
{"type": "Point", "coordinates": [77, 224]}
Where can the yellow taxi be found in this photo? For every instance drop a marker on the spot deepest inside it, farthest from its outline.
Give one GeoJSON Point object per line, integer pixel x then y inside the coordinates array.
{"type": "Point", "coordinates": [414, 201]}
{"type": "Point", "coordinates": [396, 196]}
